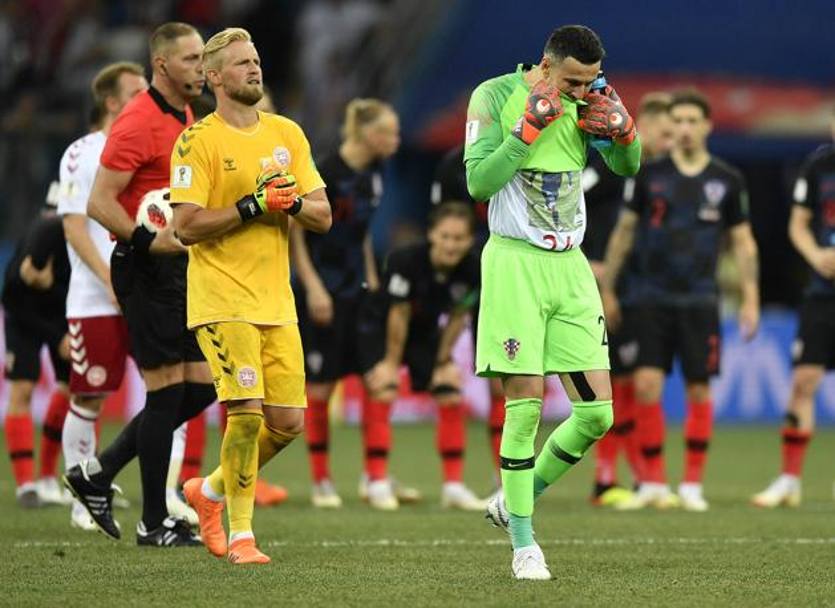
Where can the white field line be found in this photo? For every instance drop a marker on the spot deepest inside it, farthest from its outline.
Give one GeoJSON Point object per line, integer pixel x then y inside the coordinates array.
{"type": "Point", "coordinates": [445, 542]}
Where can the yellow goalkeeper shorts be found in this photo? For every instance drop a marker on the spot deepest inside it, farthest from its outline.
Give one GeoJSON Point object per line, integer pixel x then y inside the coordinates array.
{"type": "Point", "coordinates": [255, 362]}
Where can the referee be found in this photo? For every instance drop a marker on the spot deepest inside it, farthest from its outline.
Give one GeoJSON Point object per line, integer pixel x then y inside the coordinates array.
{"type": "Point", "coordinates": [148, 273]}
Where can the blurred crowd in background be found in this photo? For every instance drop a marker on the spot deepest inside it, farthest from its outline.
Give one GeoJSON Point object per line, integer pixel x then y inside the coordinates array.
{"type": "Point", "coordinates": [772, 100]}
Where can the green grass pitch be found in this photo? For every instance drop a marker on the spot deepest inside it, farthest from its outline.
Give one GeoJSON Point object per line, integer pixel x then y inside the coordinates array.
{"type": "Point", "coordinates": [733, 555]}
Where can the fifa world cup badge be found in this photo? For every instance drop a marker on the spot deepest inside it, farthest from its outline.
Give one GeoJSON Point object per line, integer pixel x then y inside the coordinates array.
{"type": "Point", "coordinates": [511, 347]}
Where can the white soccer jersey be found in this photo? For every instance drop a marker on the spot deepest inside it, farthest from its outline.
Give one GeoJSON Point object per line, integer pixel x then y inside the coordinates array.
{"type": "Point", "coordinates": [87, 295]}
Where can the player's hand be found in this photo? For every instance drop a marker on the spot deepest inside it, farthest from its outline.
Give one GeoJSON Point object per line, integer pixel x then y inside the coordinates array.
{"type": "Point", "coordinates": [166, 242]}
{"type": "Point", "coordinates": [611, 309]}
{"type": "Point", "coordinates": [320, 306]}
{"type": "Point", "coordinates": [446, 374]}
{"type": "Point", "coordinates": [64, 347]}
{"type": "Point", "coordinates": [270, 172]}
{"type": "Point", "coordinates": [542, 108]}
{"type": "Point", "coordinates": [37, 279]}
{"type": "Point", "coordinates": [277, 194]}
{"type": "Point", "coordinates": [749, 320]}
{"type": "Point", "coordinates": [606, 115]}
{"type": "Point", "coordinates": [824, 262]}
{"type": "Point", "coordinates": [383, 377]}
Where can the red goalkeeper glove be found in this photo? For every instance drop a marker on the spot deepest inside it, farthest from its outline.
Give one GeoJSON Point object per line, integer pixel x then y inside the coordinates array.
{"type": "Point", "coordinates": [606, 115]}
{"type": "Point", "coordinates": [543, 108]}
{"type": "Point", "coordinates": [276, 190]}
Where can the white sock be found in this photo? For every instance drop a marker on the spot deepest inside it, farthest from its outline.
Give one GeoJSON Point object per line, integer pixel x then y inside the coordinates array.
{"type": "Point", "coordinates": [208, 492]}
{"type": "Point", "coordinates": [78, 439]}
{"type": "Point", "coordinates": [178, 450]}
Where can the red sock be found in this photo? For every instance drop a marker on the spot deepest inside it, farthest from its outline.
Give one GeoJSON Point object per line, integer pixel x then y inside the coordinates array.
{"type": "Point", "coordinates": [794, 450]}
{"type": "Point", "coordinates": [376, 436]}
{"type": "Point", "coordinates": [53, 425]}
{"type": "Point", "coordinates": [698, 428]}
{"type": "Point", "coordinates": [20, 442]}
{"type": "Point", "coordinates": [605, 463]}
{"type": "Point", "coordinates": [195, 446]}
{"type": "Point", "coordinates": [624, 426]}
{"type": "Point", "coordinates": [316, 432]}
{"type": "Point", "coordinates": [496, 424]}
{"type": "Point", "coordinates": [451, 437]}
{"type": "Point", "coordinates": [649, 426]}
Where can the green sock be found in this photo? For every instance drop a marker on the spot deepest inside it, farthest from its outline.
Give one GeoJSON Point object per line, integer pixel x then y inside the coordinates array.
{"type": "Point", "coordinates": [588, 422]}
{"type": "Point", "coordinates": [521, 531]}
{"type": "Point", "coordinates": [517, 462]}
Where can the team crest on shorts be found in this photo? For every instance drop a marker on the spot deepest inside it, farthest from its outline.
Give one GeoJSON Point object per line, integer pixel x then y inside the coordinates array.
{"type": "Point", "coordinates": [247, 377]}
{"type": "Point", "coordinates": [511, 347]}
{"type": "Point", "coordinates": [96, 376]}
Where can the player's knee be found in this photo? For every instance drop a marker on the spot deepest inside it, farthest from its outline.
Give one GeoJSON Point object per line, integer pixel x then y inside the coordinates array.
{"type": "Point", "coordinates": [92, 405]}
{"type": "Point", "coordinates": [445, 394]}
{"type": "Point", "coordinates": [522, 420]}
{"type": "Point", "coordinates": [385, 395]}
{"type": "Point", "coordinates": [595, 421]}
{"type": "Point", "coordinates": [647, 390]}
{"type": "Point", "coordinates": [285, 419]}
{"type": "Point", "coordinates": [698, 392]}
{"type": "Point", "coordinates": [806, 382]}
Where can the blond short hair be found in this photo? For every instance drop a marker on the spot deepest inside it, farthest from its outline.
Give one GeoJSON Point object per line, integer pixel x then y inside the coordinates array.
{"type": "Point", "coordinates": [220, 41]}
{"type": "Point", "coordinates": [362, 111]}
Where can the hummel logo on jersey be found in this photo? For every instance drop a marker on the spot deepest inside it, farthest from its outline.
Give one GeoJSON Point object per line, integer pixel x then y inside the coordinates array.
{"type": "Point", "coordinates": [229, 164]}
{"type": "Point", "coordinates": [511, 347]}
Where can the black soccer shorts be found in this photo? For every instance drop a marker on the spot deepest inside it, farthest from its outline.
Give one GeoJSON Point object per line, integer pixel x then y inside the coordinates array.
{"type": "Point", "coordinates": [815, 343]}
{"type": "Point", "coordinates": [689, 332]}
{"type": "Point", "coordinates": [152, 294]}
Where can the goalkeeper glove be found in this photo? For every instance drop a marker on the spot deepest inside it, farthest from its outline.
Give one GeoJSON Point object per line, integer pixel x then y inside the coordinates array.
{"type": "Point", "coordinates": [542, 108]}
{"type": "Point", "coordinates": [276, 191]}
{"type": "Point", "coordinates": [606, 115]}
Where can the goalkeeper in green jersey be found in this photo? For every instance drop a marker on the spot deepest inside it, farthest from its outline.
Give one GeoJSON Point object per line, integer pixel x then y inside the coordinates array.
{"type": "Point", "coordinates": [527, 138]}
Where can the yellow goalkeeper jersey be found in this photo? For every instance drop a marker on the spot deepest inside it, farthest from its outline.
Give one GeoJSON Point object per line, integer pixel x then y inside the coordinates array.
{"type": "Point", "coordinates": [243, 275]}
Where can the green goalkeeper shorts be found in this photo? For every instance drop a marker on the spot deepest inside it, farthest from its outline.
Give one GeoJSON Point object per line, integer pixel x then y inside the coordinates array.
{"type": "Point", "coordinates": [540, 312]}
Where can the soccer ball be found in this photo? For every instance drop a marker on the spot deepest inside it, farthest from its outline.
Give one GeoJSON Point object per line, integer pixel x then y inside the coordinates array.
{"type": "Point", "coordinates": [155, 211]}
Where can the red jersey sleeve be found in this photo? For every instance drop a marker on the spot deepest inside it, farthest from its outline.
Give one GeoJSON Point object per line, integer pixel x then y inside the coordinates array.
{"type": "Point", "coordinates": [129, 144]}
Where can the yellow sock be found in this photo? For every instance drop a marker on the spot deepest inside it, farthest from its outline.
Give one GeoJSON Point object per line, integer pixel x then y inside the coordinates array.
{"type": "Point", "coordinates": [239, 463]}
{"type": "Point", "coordinates": [270, 442]}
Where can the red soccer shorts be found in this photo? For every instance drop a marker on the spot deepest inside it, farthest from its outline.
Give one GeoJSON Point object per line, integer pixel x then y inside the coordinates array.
{"type": "Point", "coordinates": [98, 350]}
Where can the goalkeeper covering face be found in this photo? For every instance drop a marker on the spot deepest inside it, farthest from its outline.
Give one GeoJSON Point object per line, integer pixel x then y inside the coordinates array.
{"type": "Point", "coordinates": [527, 138]}
{"type": "Point", "coordinates": [236, 178]}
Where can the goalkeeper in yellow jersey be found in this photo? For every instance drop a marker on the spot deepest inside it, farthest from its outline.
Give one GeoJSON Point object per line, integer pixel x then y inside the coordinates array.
{"type": "Point", "coordinates": [236, 178]}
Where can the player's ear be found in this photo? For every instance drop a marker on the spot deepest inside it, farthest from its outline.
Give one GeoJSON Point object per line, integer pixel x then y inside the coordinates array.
{"type": "Point", "coordinates": [708, 126]}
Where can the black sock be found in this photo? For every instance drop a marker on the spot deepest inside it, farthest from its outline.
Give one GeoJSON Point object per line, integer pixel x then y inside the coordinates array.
{"type": "Point", "coordinates": [197, 397]}
{"type": "Point", "coordinates": [119, 453]}
{"type": "Point", "coordinates": [154, 449]}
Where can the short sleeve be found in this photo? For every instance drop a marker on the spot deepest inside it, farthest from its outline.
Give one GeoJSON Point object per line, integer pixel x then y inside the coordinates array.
{"type": "Point", "coordinates": [129, 144]}
{"type": "Point", "coordinates": [634, 194]}
{"type": "Point", "coordinates": [75, 181]}
{"type": "Point", "coordinates": [805, 191]}
{"type": "Point", "coordinates": [737, 204]}
{"type": "Point", "coordinates": [191, 175]}
{"type": "Point", "coordinates": [398, 282]}
{"type": "Point", "coordinates": [302, 165]}
{"type": "Point", "coordinates": [45, 241]}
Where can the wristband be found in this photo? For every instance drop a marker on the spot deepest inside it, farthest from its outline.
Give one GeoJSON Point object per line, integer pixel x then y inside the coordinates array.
{"type": "Point", "coordinates": [141, 238]}
{"type": "Point", "coordinates": [296, 207]}
{"type": "Point", "coordinates": [248, 208]}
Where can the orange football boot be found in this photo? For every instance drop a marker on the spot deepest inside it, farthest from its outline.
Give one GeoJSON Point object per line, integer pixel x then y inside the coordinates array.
{"type": "Point", "coordinates": [268, 495]}
{"type": "Point", "coordinates": [208, 515]}
{"type": "Point", "coordinates": [244, 551]}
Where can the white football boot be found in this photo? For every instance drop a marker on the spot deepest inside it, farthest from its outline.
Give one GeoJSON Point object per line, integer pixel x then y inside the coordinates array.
{"type": "Point", "coordinates": [783, 491]}
{"type": "Point", "coordinates": [692, 498]}
{"type": "Point", "coordinates": [50, 493]}
{"type": "Point", "coordinates": [381, 495]}
{"type": "Point", "coordinates": [650, 494]}
{"type": "Point", "coordinates": [323, 495]}
{"type": "Point", "coordinates": [455, 495]}
{"type": "Point", "coordinates": [179, 509]}
{"type": "Point", "coordinates": [529, 564]}
{"type": "Point", "coordinates": [80, 519]}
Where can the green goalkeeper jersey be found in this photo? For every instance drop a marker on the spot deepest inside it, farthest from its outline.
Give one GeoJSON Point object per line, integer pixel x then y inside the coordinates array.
{"type": "Point", "coordinates": [535, 191]}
